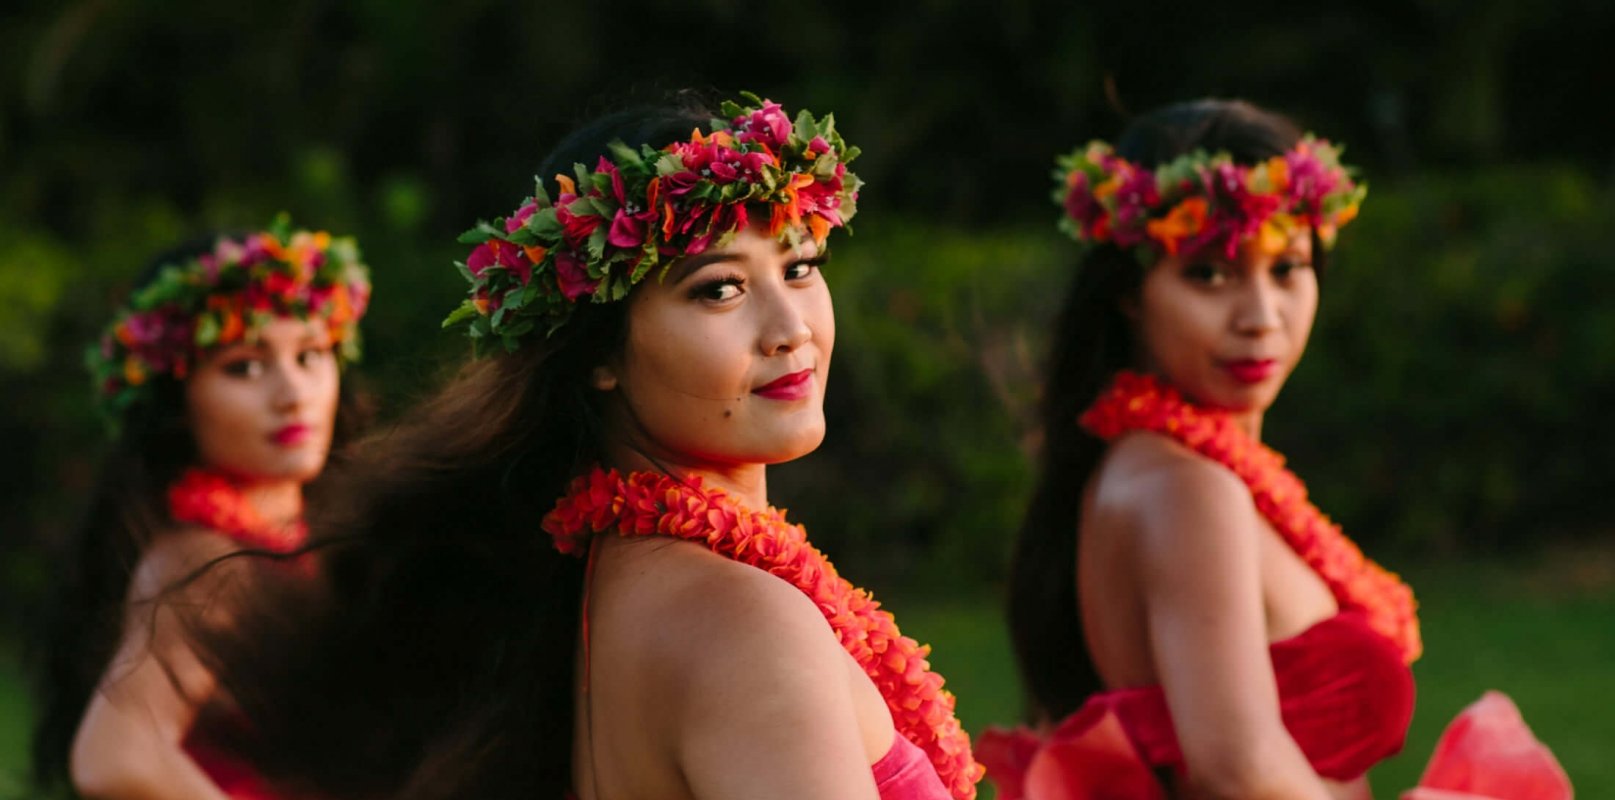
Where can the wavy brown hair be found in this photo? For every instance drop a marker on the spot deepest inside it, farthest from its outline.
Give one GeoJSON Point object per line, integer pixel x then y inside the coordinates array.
{"type": "Point", "coordinates": [434, 656]}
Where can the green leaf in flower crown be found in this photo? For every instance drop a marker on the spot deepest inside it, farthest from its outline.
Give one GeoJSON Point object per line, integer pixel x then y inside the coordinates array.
{"type": "Point", "coordinates": [466, 311]}
{"type": "Point", "coordinates": [623, 156]}
{"type": "Point", "coordinates": [849, 153]}
{"type": "Point", "coordinates": [481, 233]}
{"type": "Point", "coordinates": [597, 243]}
{"type": "Point", "coordinates": [669, 164]}
{"type": "Point", "coordinates": [207, 330]}
{"type": "Point", "coordinates": [540, 194]}
{"type": "Point", "coordinates": [730, 109]}
{"type": "Point", "coordinates": [825, 167]}
{"type": "Point", "coordinates": [465, 272]}
{"type": "Point", "coordinates": [281, 227]}
{"type": "Point", "coordinates": [544, 225]}
{"type": "Point", "coordinates": [805, 127]}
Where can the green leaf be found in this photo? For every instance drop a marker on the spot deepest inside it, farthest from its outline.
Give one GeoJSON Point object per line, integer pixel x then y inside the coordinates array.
{"type": "Point", "coordinates": [466, 311]}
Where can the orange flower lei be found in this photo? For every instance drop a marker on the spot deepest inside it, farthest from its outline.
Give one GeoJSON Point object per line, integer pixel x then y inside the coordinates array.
{"type": "Point", "coordinates": [1141, 402]}
{"type": "Point", "coordinates": [208, 499]}
{"type": "Point", "coordinates": [651, 504]}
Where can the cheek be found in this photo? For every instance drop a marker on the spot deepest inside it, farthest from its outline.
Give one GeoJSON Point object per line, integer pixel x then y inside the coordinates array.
{"type": "Point", "coordinates": [224, 417]}
{"type": "Point", "coordinates": [681, 365]}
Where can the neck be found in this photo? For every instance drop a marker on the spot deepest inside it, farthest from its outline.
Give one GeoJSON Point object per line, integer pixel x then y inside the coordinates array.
{"type": "Point", "coordinates": [746, 483]}
{"type": "Point", "coordinates": [279, 501]}
{"type": "Point", "coordinates": [1251, 423]}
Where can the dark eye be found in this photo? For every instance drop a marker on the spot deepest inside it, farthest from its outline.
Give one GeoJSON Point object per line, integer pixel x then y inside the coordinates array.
{"type": "Point", "coordinates": [1205, 273]}
{"type": "Point", "coordinates": [1283, 269]}
{"type": "Point", "coordinates": [802, 270]}
{"type": "Point", "coordinates": [243, 368]}
{"type": "Point", "coordinates": [719, 290]}
{"type": "Point", "coordinates": [312, 356]}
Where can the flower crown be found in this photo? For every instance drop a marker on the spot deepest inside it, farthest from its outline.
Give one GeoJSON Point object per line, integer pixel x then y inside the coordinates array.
{"type": "Point", "coordinates": [640, 210]}
{"type": "Point", "coordinates": [1203, 202]}
{"type": "Point", "coordinates": [226, 296]}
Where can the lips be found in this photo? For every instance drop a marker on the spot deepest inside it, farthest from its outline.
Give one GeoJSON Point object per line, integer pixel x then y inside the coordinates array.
{"type": "Point", "coordinates": [791, 386]}
{"type": "Point", "coordinates": [293, 434]}
{"type": "Point", "coordinates": [1252, 370]}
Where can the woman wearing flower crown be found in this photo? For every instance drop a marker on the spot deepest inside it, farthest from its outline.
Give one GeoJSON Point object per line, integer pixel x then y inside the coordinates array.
{"type": "Point", "coordinates": [220, 378]}
{"type": "Point", "coordinates": [563, 575]}
{"type": "Point", "coordinates": [1187, 622]}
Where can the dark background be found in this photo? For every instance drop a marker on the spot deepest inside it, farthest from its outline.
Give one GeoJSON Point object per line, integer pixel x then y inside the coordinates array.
{"type": "Point", "coordinates": [1455, 403]}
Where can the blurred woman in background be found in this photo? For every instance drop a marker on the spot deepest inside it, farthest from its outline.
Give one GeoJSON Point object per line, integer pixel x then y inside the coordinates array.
{"type": "Point", "coordinates": [221, 380]}
{"type": "Point", "coordinates": [1187, 622]}
{"type": "Point", "coordinates": [1175, 599]}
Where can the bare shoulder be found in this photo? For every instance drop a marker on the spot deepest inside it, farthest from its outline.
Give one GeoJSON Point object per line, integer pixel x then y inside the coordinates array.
{"type": "Point", "coordinates": [186, 558]}
{"type": "Point", "coordinates": [1164, 495]}
{"type": "Point", "coordinates": [713, 604]}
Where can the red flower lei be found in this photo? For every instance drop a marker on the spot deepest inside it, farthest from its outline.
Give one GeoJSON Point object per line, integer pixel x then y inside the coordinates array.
{"type": "Point", "coordinates": [651, 504]}
{"type": "Point", "coordinates": [1140, 402]}
{"type": "Point", "coordinates": [208, 499]}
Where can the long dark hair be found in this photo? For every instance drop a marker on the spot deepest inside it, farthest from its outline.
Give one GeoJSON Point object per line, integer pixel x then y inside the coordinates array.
{"type": "Point", "coordinates": [83, 623]}
{"type": "Point", "coordinates": [434, 658]}
{"type": "Point", "coordinates": [1092, 341]}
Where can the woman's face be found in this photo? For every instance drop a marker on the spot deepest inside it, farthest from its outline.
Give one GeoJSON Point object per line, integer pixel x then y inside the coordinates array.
{"type": "Point", "coordinates": [727, 356]}
{"type": "Point", "coordinates": [1228, 332]}
{"type": "Point", "coordinates": [264, 410]}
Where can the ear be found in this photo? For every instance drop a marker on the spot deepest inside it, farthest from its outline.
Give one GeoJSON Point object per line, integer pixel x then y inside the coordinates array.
{"type": "Point", "coordinates": [603, 378]}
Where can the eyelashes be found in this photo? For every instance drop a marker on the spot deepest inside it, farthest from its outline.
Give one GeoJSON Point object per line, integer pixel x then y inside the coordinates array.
{"type": "Point", "coordinates": [724, 286]}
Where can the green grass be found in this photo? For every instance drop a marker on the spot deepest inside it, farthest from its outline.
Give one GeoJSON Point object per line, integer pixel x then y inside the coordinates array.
{"type": "Point", "coordinates": [1541, 632]}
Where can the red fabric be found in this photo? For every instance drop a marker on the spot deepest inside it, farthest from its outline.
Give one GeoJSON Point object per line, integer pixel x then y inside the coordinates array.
{"type": "Point", "coordinates": [1488, 753]}
{"type": "Point", "coordinates": [1344, 693]}
{"type": "Point", "coordinates": [233, 776]}
{"type": "Point", "coordinates": [905, 773]}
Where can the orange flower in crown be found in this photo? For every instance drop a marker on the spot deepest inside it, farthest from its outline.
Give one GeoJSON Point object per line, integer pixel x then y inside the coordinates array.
{"type": "Point", "coordinates": [639, 210]}
{"type": "Point", "coordinates": [1200, 202]}
{"type": "Point", "coordinates": [225, 296]}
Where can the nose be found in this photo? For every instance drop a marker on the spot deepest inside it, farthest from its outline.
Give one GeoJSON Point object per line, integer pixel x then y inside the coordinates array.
{"type": "Point", "coordinates": [290, 385]}
{"type": "Point", "coordinates": [784, 325]}
{"type": "Point", "coordinates": [1259, 309]}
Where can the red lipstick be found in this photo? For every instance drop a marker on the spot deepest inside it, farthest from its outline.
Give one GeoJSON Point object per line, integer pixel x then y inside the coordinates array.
{"type": "Point", "coordinates": [1252, 370]}
{"type": "Point", "coordinates": [293, 434]}
{"type": "Point", "coordinates": [793, 386]}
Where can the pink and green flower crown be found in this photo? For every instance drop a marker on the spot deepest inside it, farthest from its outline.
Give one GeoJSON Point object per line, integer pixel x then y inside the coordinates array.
{"type": "Point", "coordinates": [225, 296]}
{"type": "Point", "coordinates": [1199, 202]}
{"type": "Point", "coordinates": [640, 210]}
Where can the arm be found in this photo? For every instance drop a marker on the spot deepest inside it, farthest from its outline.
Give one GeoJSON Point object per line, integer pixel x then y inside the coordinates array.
{"type": "Point", "coordinates": [1199, 571]}
{"type": "Point", "coordinates": [768, 708]}
{"type": "Point", "coordinates": [128, 745]}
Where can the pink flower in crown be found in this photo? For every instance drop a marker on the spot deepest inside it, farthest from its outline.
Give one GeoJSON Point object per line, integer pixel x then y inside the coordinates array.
{"type": "Point", "coordinates": [516, 220]}
{"type": "Point", "coordinates": [1238, 212]}
{"type": "Point", "coordinates": [1136, 194]}
{"type": "Point", "coordinates": [1080, 204]}
{"type": "Point", "coordinates": [1310, 180]}
{"type": "Point", "coordinates": [823, 197]}
{"type": "Point", "coordinates": [503, 254]}
{"type": "Point", "coordinates": [630, 226]}
{"type": "Point", "coordinates": [767, 125]}
{"type": "Point", "coordinates": [817, 147]}
{"type": "Point", "coordinates": [575, 228]}
{"type": "Point", "coordinates": [256, 250]}
{"type": "Point", "coordinates": [572, 275]}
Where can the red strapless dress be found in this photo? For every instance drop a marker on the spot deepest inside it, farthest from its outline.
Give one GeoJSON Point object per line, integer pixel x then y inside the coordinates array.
{"type": "Point", "coordinates": [905, 773]}
{"type": "Point", "coordinates": [1344, 693]}
{"type": "Point", "coordinates": [233, 775]}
